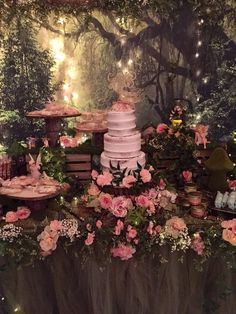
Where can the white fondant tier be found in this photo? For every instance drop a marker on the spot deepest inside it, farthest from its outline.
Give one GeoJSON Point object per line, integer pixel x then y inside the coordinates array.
{"type": "Point", "coordinates": [121, 120]}
{"type": "Point", "coordinates": [130, 163]}
{"type": "Point", "coordinates": [123, 132]}
{"type": "Point", "coordinates": [122, 146]}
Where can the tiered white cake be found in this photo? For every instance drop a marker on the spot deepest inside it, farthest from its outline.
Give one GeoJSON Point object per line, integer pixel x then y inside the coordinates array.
{"type": "Point", "coordinates": [122, 143]}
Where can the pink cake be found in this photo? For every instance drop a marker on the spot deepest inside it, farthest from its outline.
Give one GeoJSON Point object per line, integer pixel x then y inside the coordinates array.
{"type": "Point", "coordinates": [122, 143]}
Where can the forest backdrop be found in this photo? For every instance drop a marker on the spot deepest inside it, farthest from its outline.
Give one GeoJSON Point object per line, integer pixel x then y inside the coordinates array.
{"type": "Point", "coordinates": [178, 50]}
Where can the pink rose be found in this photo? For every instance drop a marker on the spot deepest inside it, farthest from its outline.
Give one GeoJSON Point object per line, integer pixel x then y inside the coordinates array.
{"type": "Point", "coordinates": [48, 244]}
{"type": "Point", "coordinates": [65, 141]}
{"type": "Point", "coordinates": [119, 227]}
{"type": "Point", "coordinates": [150, 228]}
{"type": "Point", "coordinates": [90, 238]}
{"type": "Point", "coordinates": [89, 227]}
{"type": "Point", "coordinates": [66, 186]}
{"type": "Point", "coordinates": [175, 225]}
{"type": "Point", "coordinates": [151, 194]}
{"type": "Point", "coordinates": [55, 225]}
{"type": "Point", "coordinates": [136, 241]}
{"type": "Point", "coordinates": [161, 128]}
{"type": "Point", "coordinates": [151, 209]}
{"type": "Point", "coordinates": [187, 175]}
{"type": "Point", "coordinates": [229, 236]}
{"type": "Point", "coordinates": [232, 185]}
{"type": "Point", "coordinates": [99, 224]}
{"type": "Point", "coordinates": [120, 206]}
{"type": "Point", "coordinates": [128, 181]}
{"type": "Point", "coordinates": [45, 253]}
{"type": "Point", "coordinates": [105, 200]}
{"type": "Point", "coordinates": [162, 184]}
{"type": "Point", "coordinates": [93, 190]}
{"type": "Point", "coordinates": [228, 224]}
{"type": "Point", "coordinates": [11, 216]}
{"type": "Point", "coordinates": [142, 201]}
{"type": "Point", "coordinates": [23, 212]}
{"type": "Point", "coordinates": [145, 175]}
{"type": "Point", "coordinates": [158, 229]}
{"type": "Point", "coordinates": [104, 179]}
{"type": "Point", "coordinates": [197, 244]}
{"type": "Point", "coordinates": [131, 232]}
{"type": "Point", "coordinates": [94, 174]}
{"type": "Point", "coordinates": [124, 252]}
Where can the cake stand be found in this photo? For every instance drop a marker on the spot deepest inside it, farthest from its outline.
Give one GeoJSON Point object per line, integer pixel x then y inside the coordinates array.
{"type": "Point", "coordinates": [35, 201]}
{"type": "Point", "coordinates": [97, 133]}
{"type": "Point", "coordinates": [53, 125]}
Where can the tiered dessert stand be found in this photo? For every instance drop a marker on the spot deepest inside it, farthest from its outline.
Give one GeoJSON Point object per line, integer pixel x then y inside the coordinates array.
{"type": "Point", "coordinates": [97, 133]}
{"type": "Point", "coordinates": [33, 200]}
{"type": "Point", "coordinates": [53, 124]}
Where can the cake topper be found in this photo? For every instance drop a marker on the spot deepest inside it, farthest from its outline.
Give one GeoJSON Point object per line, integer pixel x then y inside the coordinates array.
{"type": "Point", "coordinates": [123, 84]}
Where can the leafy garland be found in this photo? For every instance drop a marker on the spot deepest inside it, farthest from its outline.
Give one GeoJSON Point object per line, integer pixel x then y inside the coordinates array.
{"type": "Point", "coordinates": [22, 243]}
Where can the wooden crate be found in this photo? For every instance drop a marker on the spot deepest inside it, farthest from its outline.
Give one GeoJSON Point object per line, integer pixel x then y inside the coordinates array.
{"type": "Point", "coordinates": [78, 165]}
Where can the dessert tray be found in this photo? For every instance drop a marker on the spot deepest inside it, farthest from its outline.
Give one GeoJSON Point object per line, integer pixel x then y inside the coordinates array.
{"type": "Point", "coordinates": [29, 188]}
{"type": "Point", "coordinates": [53, 110]}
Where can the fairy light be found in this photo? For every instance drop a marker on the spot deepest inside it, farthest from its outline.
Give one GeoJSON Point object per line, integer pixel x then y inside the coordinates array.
{"type": "Point", "coordinates": [199, 43]}
{"type": "Point", "coordinates": [60, 56]}
{"type": "Point", "coordinates": [61, 20]}
{"type": "Point", "coordinates": [197, 55]}
{"type": "Point", "coordinates": [130, 62]}
{"type": "Point", "coordinates": [205, 80]}
{"type": "Point", "coordinates": [198, 98]}
{"type": "Point", "coordinates": [56, 44]}
{"type": "Point", "coordinates": [72, 73]}
{"type": "Point", "coordinates": [66, 86]}
{"type": "Point", "coordinates": [119, 64]}
{"type": "Point", "coordinates": [66, 98]}
{"type": "Point", "coordinates": [123, 41]}
{"type": "Point", "coordinates": [75, 95]}
{"type": "Point", "coordinates": [198, 73]}
{"type": "Point", "coordinates": [16, 309]}
{"type": "Point", "coordinates": [125, 71]}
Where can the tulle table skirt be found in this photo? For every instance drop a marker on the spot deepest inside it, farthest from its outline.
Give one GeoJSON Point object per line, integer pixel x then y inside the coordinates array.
{"type": "Point", "coordinates": [63, 284]}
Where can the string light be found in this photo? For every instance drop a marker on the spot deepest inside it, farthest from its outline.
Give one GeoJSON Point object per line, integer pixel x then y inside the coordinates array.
{"type": "Point", "coordinates": [123, 41]}
{"type": "Point", "coordinates": [196, 55]}
{"type": "Point", "coordinates": [130, 62]}
{"type": "Point", "coordinates": [198, 98]}
{"type": "Point", "coordinates": [205, 80]}
{"type": "Point", "coordinates": [66, 86]}
{"type": "Point", "coordinates": [119, 64]}
{"type": "Point", "coordinates": [199, 43]}
{"type": "Point", "coordinates": [66, 98]}
{"type": "Point", "coordinates": [198, 73]}
{"type": "Point", "coordinates": [17, 309]}
{"type": "Point", "coordinates": [75, 95]}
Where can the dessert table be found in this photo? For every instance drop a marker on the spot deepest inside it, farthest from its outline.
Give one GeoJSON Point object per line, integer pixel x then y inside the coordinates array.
{"type": "Point", "coordinates": [64, 284]}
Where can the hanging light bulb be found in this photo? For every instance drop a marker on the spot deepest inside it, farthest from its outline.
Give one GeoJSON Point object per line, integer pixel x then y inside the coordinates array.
{"type": "Point", "coordinates": [196, 55]}
{"type": "Point", "coordinates": [199, 43]}
{"type": "Point", "coordinates": [198, 72]}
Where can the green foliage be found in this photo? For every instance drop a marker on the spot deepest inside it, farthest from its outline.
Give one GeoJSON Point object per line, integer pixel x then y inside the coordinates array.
{"type": "Point", "coordinates": [25, 82]}
{"type": "Point", "coordinates": [53, 163]}
{"type": "Point", "coordinates": [219, 111]}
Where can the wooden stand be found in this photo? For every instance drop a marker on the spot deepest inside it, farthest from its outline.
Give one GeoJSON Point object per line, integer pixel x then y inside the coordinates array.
{"type": "Point", "coordinates": [97, 134]}
{"type": "Point", "coordinates": [53, 125]}
{"type": "Point", "coordinates": [33, 200]}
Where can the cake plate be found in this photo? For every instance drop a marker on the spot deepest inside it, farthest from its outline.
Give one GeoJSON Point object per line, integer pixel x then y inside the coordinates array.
{"type": "Point", "coordinates": [97, 133]}
{"type": "Point", "coordinates": [53, 125]}
{"type": "Point", "coordinates": [35, 201]}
